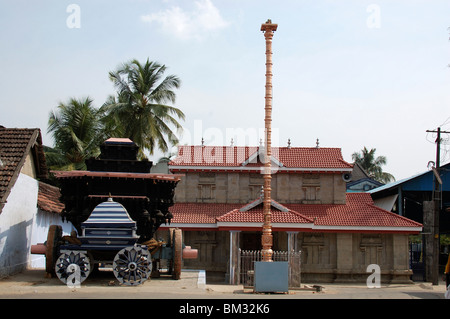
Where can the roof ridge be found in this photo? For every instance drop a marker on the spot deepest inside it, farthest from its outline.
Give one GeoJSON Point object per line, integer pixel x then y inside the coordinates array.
{"type": "Point", "coordinates": [260, 201]}
{"type": "Point", "coordinates": [304, 219]}
{"type": "Point", "coordinates": [301, 215]}
{"type": "Point", "coordinates": [345, 162]}
{"type": "Point", "coordinates": [254, 146]}
{"type": "Point", "coordinates": [219, 218]}
{"type": "Point", "coordinates": [284, 208]}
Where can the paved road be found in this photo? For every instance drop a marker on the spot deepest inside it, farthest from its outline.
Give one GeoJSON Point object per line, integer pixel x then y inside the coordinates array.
{"type": "Point", "coordinates": [33, 284]}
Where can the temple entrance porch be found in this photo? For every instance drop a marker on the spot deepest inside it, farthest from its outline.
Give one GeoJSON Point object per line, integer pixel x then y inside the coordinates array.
{"type": "Point", "coordinates": [326, 257]}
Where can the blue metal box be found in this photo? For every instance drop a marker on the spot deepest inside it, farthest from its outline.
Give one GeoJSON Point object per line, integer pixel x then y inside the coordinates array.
{"type": "Point", "coordinates": [271, 276]}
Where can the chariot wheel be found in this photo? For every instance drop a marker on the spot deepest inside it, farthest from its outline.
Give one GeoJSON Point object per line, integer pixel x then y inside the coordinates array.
{"type": "Point", "coordinates": [177, 253]}
{"type": "Point", "coordinates": [52, 248]}
{"type": "Point", "coordinates": [132, 265]}
{"type": "Point", "coordinates": [72, 267]}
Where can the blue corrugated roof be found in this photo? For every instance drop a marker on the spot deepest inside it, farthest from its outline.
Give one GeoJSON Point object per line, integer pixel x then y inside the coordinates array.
{"type": "Point", "coordinates": [419, 182]}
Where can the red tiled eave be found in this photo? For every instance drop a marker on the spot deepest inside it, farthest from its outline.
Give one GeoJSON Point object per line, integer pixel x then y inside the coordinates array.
{"type": "Point", "coordinates": [358, 214]}
{"type": "Point", "coordinates": [121, 175]}
{"type": "Point", "coordinates": [48, 198]}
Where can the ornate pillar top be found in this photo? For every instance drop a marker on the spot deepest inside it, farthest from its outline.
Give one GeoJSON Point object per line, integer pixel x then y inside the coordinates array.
{"type": "Point", "coordinates": [269, 26]}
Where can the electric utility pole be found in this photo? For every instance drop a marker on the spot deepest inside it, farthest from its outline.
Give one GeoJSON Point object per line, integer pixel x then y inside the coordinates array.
{"type": "Point", "coordinates": [434, 267]}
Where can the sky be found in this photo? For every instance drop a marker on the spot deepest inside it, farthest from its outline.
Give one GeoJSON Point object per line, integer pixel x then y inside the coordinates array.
{"type": "Point", "coordinates": [351, 73]}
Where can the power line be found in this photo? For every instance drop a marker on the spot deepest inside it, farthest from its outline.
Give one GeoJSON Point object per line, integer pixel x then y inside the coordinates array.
{"type": "Point", "coordinates": [444, 144]}
{"type": "Point", "coordinates": [445, 122]}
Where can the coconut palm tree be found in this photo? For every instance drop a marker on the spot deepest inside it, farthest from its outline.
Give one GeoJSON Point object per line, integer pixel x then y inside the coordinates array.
{"type": "Point", "coordinates": [372, 165]}
{"type": "Point", "coordinates": [139, 111]}
{"type": "Point", "coordinates": [77, 133]}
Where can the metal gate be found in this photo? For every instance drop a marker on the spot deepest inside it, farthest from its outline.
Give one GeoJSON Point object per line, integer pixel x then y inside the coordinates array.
{"type": "Point", "coordinates": [247, 260]}
{"type": "Point", "coordinates": [416, 260]}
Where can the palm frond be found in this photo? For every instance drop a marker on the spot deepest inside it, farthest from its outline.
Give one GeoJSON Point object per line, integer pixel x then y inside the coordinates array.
{"type": "Point", "coordinates": [139, 109]}
{"type": "Point", "coordinates": [76, 129]}
{"type": "Point", "coordinates": [373, 165]}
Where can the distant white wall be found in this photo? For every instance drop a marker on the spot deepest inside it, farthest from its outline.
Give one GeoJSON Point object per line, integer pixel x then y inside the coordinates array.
{"type": "Point", "coordinates": [16, 222]}
{"type": "Point", "coordinates": [41, 224]}
{"type": "Point", "coordinates": [387, 203]}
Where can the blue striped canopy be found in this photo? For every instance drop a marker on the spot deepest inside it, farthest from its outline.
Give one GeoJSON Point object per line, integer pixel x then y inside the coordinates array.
{"type": "Point", "coordinates": [109, 214]}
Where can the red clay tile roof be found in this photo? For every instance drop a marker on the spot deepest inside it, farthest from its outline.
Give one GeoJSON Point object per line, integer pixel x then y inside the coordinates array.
{"type": "Point", "coordinates": [223, 156]}
{"type": "Point", "coordinates": [359, 210]}
{"type": "Point", "coordinates": [359, 213]}
{"type": "Point", "coordinates": [312, 157]}
{"type": "Point", "coordinates": [15, 143]}
{"type": "Point", "coordinates": [255, 215]}
{"type": "Point", "coordinates": [48, 198]}
{"type": "Point", "coordinates": [239, 156]}
{"type": "Point", "coordinates": [199, 213]}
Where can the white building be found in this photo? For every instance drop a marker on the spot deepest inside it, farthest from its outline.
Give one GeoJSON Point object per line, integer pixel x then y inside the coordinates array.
{"type": "Point", "coordinates": [22, 222]}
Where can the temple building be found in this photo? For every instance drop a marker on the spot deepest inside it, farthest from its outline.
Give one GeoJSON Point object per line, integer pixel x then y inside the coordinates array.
{"type": "Point", "coordinates": [219, 207]}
